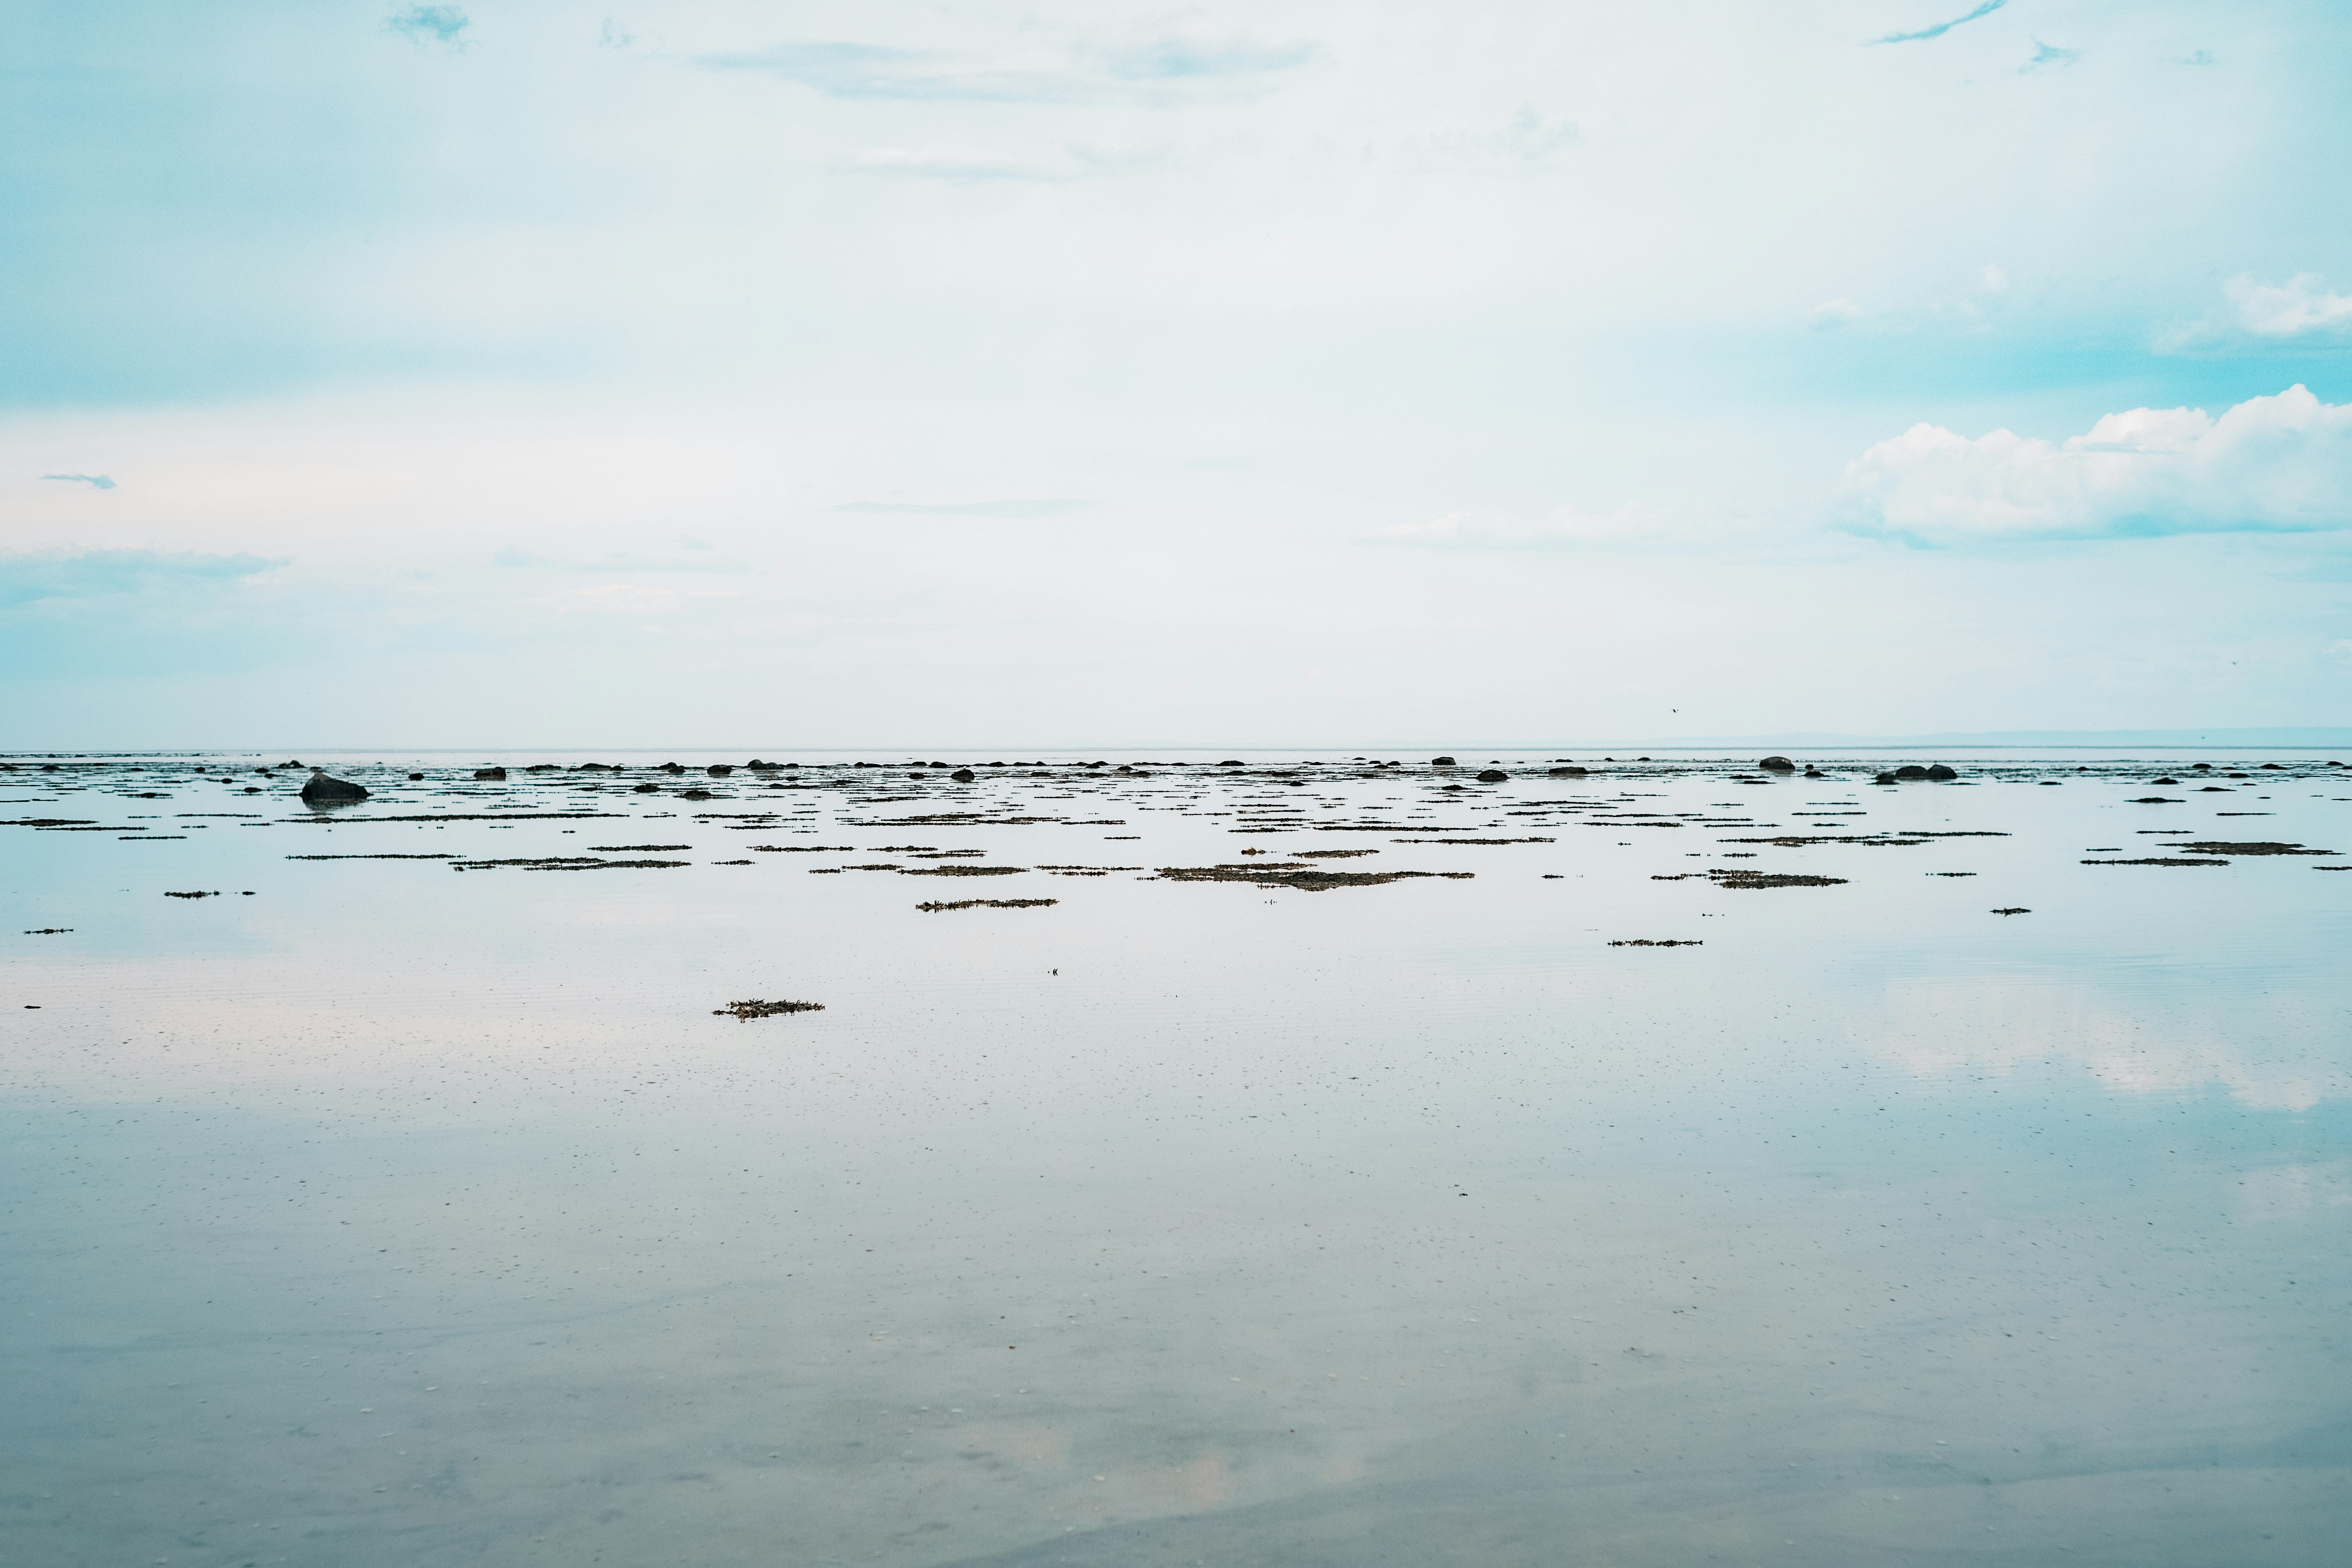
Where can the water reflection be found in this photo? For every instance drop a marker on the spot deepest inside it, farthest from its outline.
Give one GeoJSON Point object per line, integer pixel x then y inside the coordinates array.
{"type": "Point", "coordinates": [399, 1214]}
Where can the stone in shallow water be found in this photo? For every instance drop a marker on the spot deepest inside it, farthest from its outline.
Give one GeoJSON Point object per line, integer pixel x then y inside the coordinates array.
{"type": "Point", "coordinates": [322, 787]}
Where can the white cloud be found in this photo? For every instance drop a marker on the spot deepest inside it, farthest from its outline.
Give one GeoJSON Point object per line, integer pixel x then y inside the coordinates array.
{"type": "Point", "coordinates": [1566, 527]}
{"type": "Point", "coordinates": [2302, 308]}
{"type": "Point", "coordinates": [2277, 464]}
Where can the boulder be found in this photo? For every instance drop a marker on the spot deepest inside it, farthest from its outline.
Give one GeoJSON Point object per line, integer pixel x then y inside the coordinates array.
{"type": "Point", "coordinates": [321, 788]}
{"type": "Point", "coordinates": [1938, 771]}
{"type": "Point", "coordinates": [414, 777]}
{"type": "Point", "coordinates": [719, 770]}
{"type": "Point", "coordinates": [1778, 765]}
{"type": "Point", "coordinates": [1440, 761]}
{"type": "Point", "coordinates": [1570, 771]}
{"type": "Point", "coordinates": [1910, 771]}
{"type": "Point", "coordinates": [963, 775]}
{"type": "Point", "coordinates": [1883, 778]}
{"type": "Point", "coordinates": [489, 773]}
{"type": "Point", "coordinates": [1492, 775]}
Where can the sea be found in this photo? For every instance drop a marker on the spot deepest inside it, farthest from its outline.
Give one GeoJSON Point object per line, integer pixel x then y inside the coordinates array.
{"type": "Point", "coordinates": [1236, 1157]}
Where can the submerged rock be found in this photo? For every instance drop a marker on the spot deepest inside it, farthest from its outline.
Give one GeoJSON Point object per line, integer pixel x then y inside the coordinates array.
{"type": "Point", "coordinates": [1910, 771]}
{"type": "Point", "coordinates": [489, 773]}
{"type": "Point", "coordinates": [963, 775]}
{"type": "Point", "coordinates": [320, 786]}
{"type": "Point", "coordinates": [1570, 771]}
{"type": "Point", "coordinates": [1778, 765]}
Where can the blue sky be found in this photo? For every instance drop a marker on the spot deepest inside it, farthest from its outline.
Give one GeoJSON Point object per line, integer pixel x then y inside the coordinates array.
{"type": "Point", "coordinates": [515, 372]}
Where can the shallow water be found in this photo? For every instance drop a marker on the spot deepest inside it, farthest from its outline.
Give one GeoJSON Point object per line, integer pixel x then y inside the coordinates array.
{"type": "Point", "coordinates": [380, 1212]}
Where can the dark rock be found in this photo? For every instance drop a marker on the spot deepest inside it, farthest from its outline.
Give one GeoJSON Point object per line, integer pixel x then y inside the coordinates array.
{"type": "Point", "coordinates": [2164, 780]}
{"type": "Point", "coordinates": [489, 773]}
{"type": "Point", "coordinates": [544, 768]}
{"type": "Point", "coordinates": [696, 794]}
{"type": "Point", "coordinates": [413, 777]}
{"type": "Point", "coordinates": [646, 789]}
{"type": "Point", "coordinates": [2204, 766]}
{"type": "Point", "coordinates": [1570, 771]}
{"type": "Point", "coordinates": [1910, 771]}
{"type": "Point", "coordinates": [719, 770]}
{"type": "Point", "coordinates": [1938, 771]}
{"type": "Point", "coordinates": [963, 775]}
{"type": "Point", "coordinates": [671, 768]}
{"type": "Point", "coordinates": [1778, 765]}
{"type": "Point", "coordinates": [1231, 762]}
{"type": "Point", "coordinates": [321, 787]}
{"type": "Point", "coordinates": [1440, 761]}
{"type": "Point", "coordinates": [1492, 775]}
{"type": "Point", "coordinates": [1813, 773]}
{"type": "Point", "coordinates": [1883, 778]}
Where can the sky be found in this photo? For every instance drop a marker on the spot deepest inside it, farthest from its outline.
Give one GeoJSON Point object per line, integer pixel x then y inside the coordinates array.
{"type": "Point", "coordinates": [531, 373]}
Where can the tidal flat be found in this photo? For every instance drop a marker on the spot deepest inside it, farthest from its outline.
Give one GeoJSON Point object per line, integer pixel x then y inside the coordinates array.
{"type": "Point", "coordinates": [1297, 1159]}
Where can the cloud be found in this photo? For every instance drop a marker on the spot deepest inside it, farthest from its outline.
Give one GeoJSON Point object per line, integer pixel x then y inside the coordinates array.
{"type": "Point", "coordinates": [2280, 463]}
{"type": "Point", "coordinates": [2302, 310]}
{"type": "Point", "coordinates": [1050, 508]}
{"type": "Point", "coordinates": [1174, 58]}
{"type": "Point", "coordinates": [1567, 527]}
{"type": "Point", "coordinates": [511, 558]}
{"type": "Point", "coordinates": [31, 576]}
{"type": "Point", "coordinates": [972, 165]}
{"type": "Point", "coordinates": [2049, 55]}
{"type": "Point", "coordinates": [1940, 28]}
{"type": "Point", "coordinates": [442, 23]}
{"type": "Point", "coordinates": [839, 68]}
{"type": "Point", "coordinates": [95, 481]}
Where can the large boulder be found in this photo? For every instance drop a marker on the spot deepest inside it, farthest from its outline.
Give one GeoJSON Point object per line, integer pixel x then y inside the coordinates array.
{"type": "Point", "coordinates": [489, 773]}
{"type": "Point", "coordinates": [1440, 761]}
{"type": "Point", "coordinates": [1778, 765]}
{"type": "Point", "coordinates": [322, 790]}
{"type": "Point", "coordinates": [1492, 775]}
{"type": "Point", "coordinates": [1938, 771]}
{"type": "Point", "coordinates": [1570, 771]}
{"type": "Point", "coordinates": [1910, 771]}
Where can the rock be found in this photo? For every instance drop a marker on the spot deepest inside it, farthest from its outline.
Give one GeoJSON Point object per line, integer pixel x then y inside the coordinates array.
{"type": "Point", "coordinates": [671, 768]}
{"type": "Point", "coordinates": [1883, 778]}
{"type": "Point", "coordinates": [2164, 780]}
{"type": "Point", "coordinates": [1570, 771]}
{"type": "Point", "coordinates": [1813, 773]}
{"type": "Point", "coordinates": [489, 773]}
{"type": "Point", "coordinates": [1231, 762]}
{"type": "Point", "coordinates": [1492, 775]}
{"type": "Point", "coordinates": [963, 775]}
{"type": "Point", "coordinates": [696, 794]}
{"type": "Point", "coordinates": [320, 787]}
{"type": "Point", "coordinates": [719, 770]}
{"type": "Point", "coordinates": [1910, 771]}
{"type": "Point", "coordinates": [1778, 765]}
{"type": "Point", "coordinates": [1440, 761]}
{"type": "Point", "coordinates": [646, 789]}
{"type": "Point", "coordinates": [413, 777]}
{"type": "Point", "coordinates": [1938, 771]}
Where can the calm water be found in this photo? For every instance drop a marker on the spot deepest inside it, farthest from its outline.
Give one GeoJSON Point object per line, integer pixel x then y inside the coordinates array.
{"type": "Point", "coordinates": [377, 1212]}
